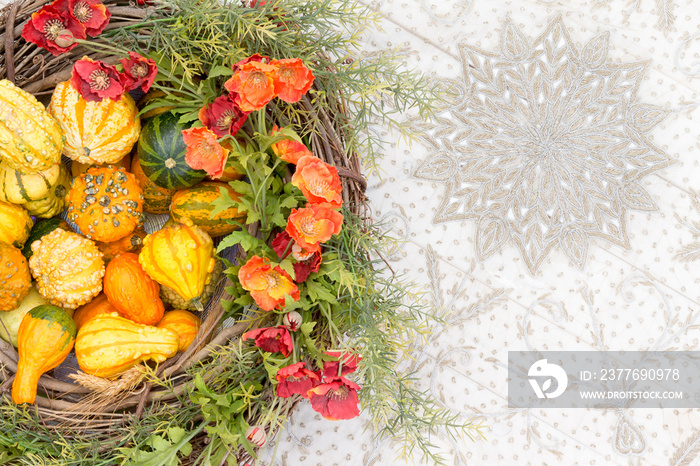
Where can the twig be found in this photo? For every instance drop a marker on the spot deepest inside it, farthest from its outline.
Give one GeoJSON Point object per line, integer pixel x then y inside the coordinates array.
{"type": "Point", "coordinates": [9, 42]}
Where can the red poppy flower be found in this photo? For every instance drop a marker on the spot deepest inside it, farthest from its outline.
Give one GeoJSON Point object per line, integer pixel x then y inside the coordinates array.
{"type": "Point", "coordinates": [296, 79]}
{"type": "Point", "coordinates": [47, 25]}
{"type": "Point", "coordinates": [256, 435]}
{"type": "Point", "coordinates": [95, 80]}
{"type": "Point", "coordinates": [296, 379]}
{"type": "Point", "coordinates": [289, 150]}
{"type": "Point", "coordinates": [204, 151]}
{"type": "Point", "coordinates": [292, 321]}
{"type": "Point", "coordinates": [138, 72]}
{"type": "Point", "coordinates": [223, 116]}
{"type": "Point", "coordinates": [307, 262]}
{"type": "Point", "coordinates": [272, 339]}
{"type": "Point", "coordinates": [335, 400]}
{"type": "Point", "coordinates": [318, 181]}
{"type": "Point", "coordinates": [267, 285]}
{"type": "Point", "coordinates": [345, 364]}
{"type": "Point", "coordinates": [313, 225]}
{"type": "Point", "coordinates": [255, 84]}
{"type": "Point", "coordinates": [90, 13]}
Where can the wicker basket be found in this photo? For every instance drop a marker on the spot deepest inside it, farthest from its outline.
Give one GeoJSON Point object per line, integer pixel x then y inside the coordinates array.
{"type": "Point", "coordinates": [62, 401]}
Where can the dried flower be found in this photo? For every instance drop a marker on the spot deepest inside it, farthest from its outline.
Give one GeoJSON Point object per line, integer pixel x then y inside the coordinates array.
{"type": "Point", "coordinates": [204, 151]}
{"type": "Point", "coordinates": [256, 435]}
{"type": "Point", "coordinates": [318, 181]}
{"type": "Point", "coordinates": [271, 339]}
{"type": "Point", "coordinates": [47, 25]}
{"type": "Point", "coordinates": [296, 379]}
{"type": "Point", "coordinates": [296, 79]}
{"type": "Point", "coordinates": [313, 225]}
{"type": "Point", "coordinates": [335, 400]}
{"type": "Point", "coordinates": [289, 150]}
{"type": "Point", "coordinates": [138, 72]}
{"type": "Point", "coordinates": [254, 85]}
{"type": "Point", "coordinates": [292, 321]}
{"type": "Point", "coordinates": [95, 80]}
{"type": "Point", "coordinates": [223, 116]}
{"type": "Point", "coordinates": [92, 14]}
{"type": "Point", "coordinates": [267, 285]}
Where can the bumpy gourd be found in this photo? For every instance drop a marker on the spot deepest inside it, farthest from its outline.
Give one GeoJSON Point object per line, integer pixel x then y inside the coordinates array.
{"type": "Point", "coordinates": [96, 132]}
{"type": "Point", "coordinates": [14, 277]}
{"type": "Point", "coordinates": [15, 224]}
{"type": "Point", "coordinates": [181, 257]}
{"type": "Point", "coordinates": [55, 200]}
{"type": "Point", "coordinates": [184, 324]}
{"type": "Point", "coordinates": [174, 300]}
{"type": "Point", "coordinates": [32, 141]}
{"type": "Point", "coordinates": [99, 305]}
{"type": "Point", "coordinates": [131, 291]}
{"type": "Point", "coordinates": [67, 267]}
{"type": "Point", "coordinates": [108, 345]}
{"type": "Point", "coordinates": [106, 203]}
{"type": "Point", "coordinates": [46, 336]}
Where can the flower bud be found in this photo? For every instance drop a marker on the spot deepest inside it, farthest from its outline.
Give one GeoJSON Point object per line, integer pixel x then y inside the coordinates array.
{"type": "Point", "coordinates": [256, 436]}
{"type": "Point", "coordinates": [65, 38]}
{"type": "Point", "coordinates": [292, 321]}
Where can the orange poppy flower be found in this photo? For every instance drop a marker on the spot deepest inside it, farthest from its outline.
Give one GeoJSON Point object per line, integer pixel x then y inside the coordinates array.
{"type": "Point", "coordinates": [313, 225]}
{"type": "Point", "coordinates": [296, 79]}
{"type": "Point", "coordinates": [318, 181]}
{"type": "Point", "coordinates": [204, 151]}
{"type": "Point", "coordinates": [267, 285]}
{"type": "Point", "coordinates": [289, 150]}
{"type": "Point", "coordinates": [255, 84]}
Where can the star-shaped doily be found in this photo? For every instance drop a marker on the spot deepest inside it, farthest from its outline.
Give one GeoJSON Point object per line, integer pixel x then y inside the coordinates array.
{"type": "Point", "coordinates": [544, 146]}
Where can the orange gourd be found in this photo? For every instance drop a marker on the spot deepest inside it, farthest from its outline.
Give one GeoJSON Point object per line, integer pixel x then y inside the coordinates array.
{"type": "Point", "coordinates": [45, 337]}
{"type": "Point", "coordinates": [15, 280]}
{"type": "Point", "coordinates": [156, 200]}
{"type": "Point", "coordinates": [99, 305]}
{"type": "Point", "coordinates": [184, 324]}
{"type": "Point", "coordinates": [106, 203]}
{"type": "Point", "coordinates": [130, 243]}
{"type": "Point", "coordinates": [131, 291]}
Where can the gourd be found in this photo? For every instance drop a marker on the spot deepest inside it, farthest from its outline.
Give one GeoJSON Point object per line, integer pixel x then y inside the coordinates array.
{"type": "Point", "coordinates": [77, 168]}
{"type": "Point", "coordinates": [156, 200]}
{"type": "Point", "coordinates": [41, 228]}
{"type": "Point", "coordinates": [174, 300]}
{"type": "Point", "coordinates": [108, 345]}
{"type": "Point", "coordinates": [18, 188]}
{"type": "Point", "coordinates": [181, 257]}
{"type": "Point", "coordinates": [14, 277]}
{"type": "Point", "coordinates": [68, 268]}
{"type": "Point", "coordinates": [130, 243]}
{"type": "Point", "coordinates": [32, 141]}
{"type": "Point", "coordinates": [96, 132]}
{"type": "Point", "coordinates": [106, 203]}
{"type": "Point", "coordinates": [99, 305]}
{"type": "Point", "coordinates": [131, 291]}
{"type": "Point", "coordinates": [161, 153]}
{"type": "Point", "coordinates": [54, 201]}
{"type": "Point", "coordinates": [15, 224]}
{"type": "Point", "coordinates": [10, 320]}
{"type": "Point", "coordinates": [46, 336]}
{"type": "Point", "coordinates": [184, 324]}
{"type": "Point", "coordinates": [197, 203]}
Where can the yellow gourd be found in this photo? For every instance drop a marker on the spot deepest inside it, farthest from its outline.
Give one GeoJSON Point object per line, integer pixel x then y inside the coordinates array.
{"type": "Point", "coordinates": [181, 257]}
{"type": "Point", "coordinates": [184, 324]}
{"type": "Point", "coordinates": [108, 345]}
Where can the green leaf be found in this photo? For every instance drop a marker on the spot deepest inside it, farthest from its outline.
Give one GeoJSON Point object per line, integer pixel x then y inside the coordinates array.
{"type": "Point", "coordinates": [220, 71]}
